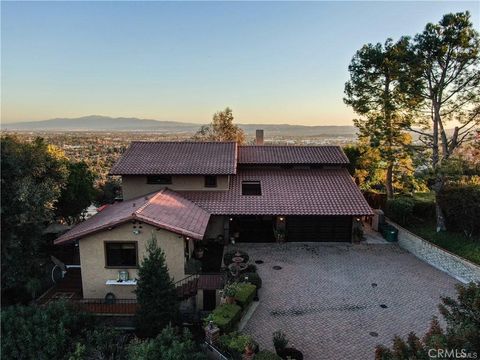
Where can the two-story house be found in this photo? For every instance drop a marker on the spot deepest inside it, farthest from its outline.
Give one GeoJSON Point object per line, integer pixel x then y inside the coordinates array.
{"type": "Point", "coordinates": [184, 193]}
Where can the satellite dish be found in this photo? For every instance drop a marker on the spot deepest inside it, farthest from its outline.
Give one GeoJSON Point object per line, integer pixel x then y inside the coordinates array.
{"type": "Point", "coordinates": [57, 274]}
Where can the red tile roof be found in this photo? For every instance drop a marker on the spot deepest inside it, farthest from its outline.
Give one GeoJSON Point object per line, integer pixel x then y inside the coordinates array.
{"type": "Point", "coordinates": [287, 192]}
{"type": "Point", "coordinates": [291, 155]}
{"type": "Point", "coordinates": [164, 209]}
{"type": "Point", "coordinates": [178, 158]}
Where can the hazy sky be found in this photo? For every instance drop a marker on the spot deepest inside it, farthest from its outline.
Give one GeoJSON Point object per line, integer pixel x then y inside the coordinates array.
{"type": "Point", "coordinates": [272, 62]}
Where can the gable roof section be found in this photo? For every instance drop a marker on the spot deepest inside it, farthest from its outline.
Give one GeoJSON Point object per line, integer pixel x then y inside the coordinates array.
{"type": "Point", "coordinates": [177, 158]}
{"type": "Point", "coordinates": [287, 192]}
{"type": "Point", "coordinates": [291, 155]}
{"type": "Point", "coordinates": [165, 209]}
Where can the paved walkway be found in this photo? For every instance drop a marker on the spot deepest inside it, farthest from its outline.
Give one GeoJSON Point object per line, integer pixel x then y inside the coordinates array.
{"type": "Point", "coordinates": [338, 301]}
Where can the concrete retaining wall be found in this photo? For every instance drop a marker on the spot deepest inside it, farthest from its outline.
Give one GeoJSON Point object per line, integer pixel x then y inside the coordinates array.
{"type": "Point", "coordinates": [461, 269]}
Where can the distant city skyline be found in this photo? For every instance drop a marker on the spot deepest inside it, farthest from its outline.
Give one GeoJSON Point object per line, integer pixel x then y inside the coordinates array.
{"type": "Point", "coordinates": [271, 62]}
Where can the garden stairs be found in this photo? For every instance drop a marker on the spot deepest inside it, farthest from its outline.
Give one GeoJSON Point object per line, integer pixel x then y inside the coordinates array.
{"type": "Point", "coordinates": [189, 286]}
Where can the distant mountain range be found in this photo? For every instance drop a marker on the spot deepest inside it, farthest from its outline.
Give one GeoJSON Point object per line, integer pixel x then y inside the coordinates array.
{"type": "Point", "coordinates": [105, 123]}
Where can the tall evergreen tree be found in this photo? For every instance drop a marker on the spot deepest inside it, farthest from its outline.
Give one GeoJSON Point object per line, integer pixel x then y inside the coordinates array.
{"type": "Point", "coordinates": [447, 63]}
{"type": "Point", "coordinates": [156, 295]}
{"type": "Point", "coordinates": [375, 92]}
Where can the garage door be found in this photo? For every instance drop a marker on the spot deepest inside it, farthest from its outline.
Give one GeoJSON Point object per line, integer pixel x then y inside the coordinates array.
{"type": "Point", "coordinates": [319, 228]}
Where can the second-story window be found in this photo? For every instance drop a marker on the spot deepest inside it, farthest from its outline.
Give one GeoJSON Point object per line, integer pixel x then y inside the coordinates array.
{"type": "Point", "coordinates": [159, 179]}
{"type": "Point", "coordinates": [251, 188]}
{"type": "Point", "coordinates": [210, 181]}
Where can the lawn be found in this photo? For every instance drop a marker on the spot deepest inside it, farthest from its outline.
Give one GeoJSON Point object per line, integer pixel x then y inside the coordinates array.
{"type": "Point", "coordinates": [454, 242]}
{"type": "Point", "coordinates": [422, 223]}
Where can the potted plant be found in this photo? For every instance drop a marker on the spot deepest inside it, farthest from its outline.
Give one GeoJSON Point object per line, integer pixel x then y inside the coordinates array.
{"type": "Point", "coordinates": [279, 340]}
{"type": "Point", "coordinates": [229, 293]}
{"type": "Point", "coordinates": [279, 235]}
{"type": "Point", "coordinates": [251, 347]}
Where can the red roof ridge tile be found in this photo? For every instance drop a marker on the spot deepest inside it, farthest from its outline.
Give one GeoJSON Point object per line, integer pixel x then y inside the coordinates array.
{"type": "Point", "coordinates": [160, 214]}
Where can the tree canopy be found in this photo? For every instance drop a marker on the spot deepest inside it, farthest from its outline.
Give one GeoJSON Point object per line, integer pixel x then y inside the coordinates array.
{"type": "Point", "coordinates": [221, 128]}
{"type": "Point", "coordinates": [376, 91]}
{"type": "Point", "coordinates": [447, 63]}
{"type": "Point", "coordinates": [39, 184]}
{"type": "Point", "coordinates": [78, 192]}
{"type": "Point", "coordinates": [32, 178]}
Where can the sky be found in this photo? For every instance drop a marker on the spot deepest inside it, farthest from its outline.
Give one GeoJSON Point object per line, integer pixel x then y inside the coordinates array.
{"type": "Point", "coordinates": [271, 62]}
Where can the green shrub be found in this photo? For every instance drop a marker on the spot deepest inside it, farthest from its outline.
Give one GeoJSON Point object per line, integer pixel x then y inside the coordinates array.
{"type": "Point", "coordinates": [400, 209]}
{"type": "Point", "coordinates": [49, 332]}
{"type": "Point", "coordinates": [230, 290]}
{"type": "Point", "coordinates": [280, 340]}
{"type": "Point", "coordinates": [461, 204]}
{"type": "Point", "coordinates": [462, 331]}
{"type": "Point", "coordinates": [251, 268]}
{"type": "Point", "coordinates": [424, 205]}
{"type": "Point", "coordinates": [254, 279]}
{"type": "Point", "coordinates": [226, 316]}
{"type": "Point", "coordinates": [229, 255]}
{"type": "Point", "coordinates": [267, 355]}
{"type": "Point", "coordinates": [234, 343]}
{"type": "Point", "coordinates": [245, 294]}
{"type": "Point", "coordinates": [166, 346]}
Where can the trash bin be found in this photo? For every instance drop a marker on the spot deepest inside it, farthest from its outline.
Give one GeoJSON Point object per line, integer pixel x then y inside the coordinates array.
{"type": "Point", "coordinates": [389, 232]}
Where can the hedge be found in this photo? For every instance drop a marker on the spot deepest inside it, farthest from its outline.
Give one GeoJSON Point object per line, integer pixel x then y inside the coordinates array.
{"type": "Point", "coordinates": [461, 205]}
{"type": "Point", "coordinates": [400, 209]}
{"type": "Point", "coordinates": [245, 294]}
{"type": "Point", "coordinates": [226, 316]}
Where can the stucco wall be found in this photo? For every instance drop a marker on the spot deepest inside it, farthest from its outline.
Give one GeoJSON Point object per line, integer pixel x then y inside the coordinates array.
{"type": "Point", "coordinates": [454, 265]}
{"type": "Point", "coordinates": [92, 258]}
{"type": "Point", "coordinates": [134, 186]}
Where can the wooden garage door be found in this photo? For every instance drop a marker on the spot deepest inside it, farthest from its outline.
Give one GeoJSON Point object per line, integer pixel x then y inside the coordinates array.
{"type": "Point", "coordinates": [319, 228]}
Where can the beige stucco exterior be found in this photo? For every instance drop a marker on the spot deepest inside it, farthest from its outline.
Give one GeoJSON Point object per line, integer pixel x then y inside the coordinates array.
{"type": "Point", "coordinates": [92, 258]}
{"type": "Point", "coordinates": [136, 185]}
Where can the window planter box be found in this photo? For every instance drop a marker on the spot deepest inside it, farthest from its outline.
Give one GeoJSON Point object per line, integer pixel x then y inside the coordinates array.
{"type": "Point", "coordinates": [122, 283]}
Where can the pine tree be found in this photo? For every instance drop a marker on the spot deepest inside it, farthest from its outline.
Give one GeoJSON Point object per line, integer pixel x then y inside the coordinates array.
{"type": "Point", "coordinates": [156, 295]}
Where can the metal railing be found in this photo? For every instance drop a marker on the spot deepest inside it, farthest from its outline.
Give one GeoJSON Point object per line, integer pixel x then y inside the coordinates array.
{"type": "Point", "coordinates": [186, 280]}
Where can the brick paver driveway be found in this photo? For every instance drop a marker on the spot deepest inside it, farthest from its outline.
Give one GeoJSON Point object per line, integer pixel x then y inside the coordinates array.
{"type": "Point", "coordinates": [328, 298]}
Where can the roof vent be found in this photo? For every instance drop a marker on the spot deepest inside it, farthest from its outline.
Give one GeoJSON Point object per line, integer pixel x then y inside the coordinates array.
{"type": "Point", "coordinates": [259, 137]}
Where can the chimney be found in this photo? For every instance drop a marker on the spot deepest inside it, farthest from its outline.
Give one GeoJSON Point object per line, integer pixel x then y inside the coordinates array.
{"type": "Point", "coordinates": [259, 137]}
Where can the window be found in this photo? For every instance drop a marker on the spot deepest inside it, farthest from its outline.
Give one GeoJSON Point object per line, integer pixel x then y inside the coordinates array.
{"type": "Point", "coordinates": [210, 181]}
{"type": "Point", "coordinates": [251, 188]}
{"type": "Point", "coordinates": [121, 254]}
{"type": "Point", "coordinates": [159, 179]}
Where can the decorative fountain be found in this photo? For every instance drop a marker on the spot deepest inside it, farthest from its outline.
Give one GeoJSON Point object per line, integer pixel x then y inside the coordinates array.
{"type": "Point", "coordinates": [238, 265]}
